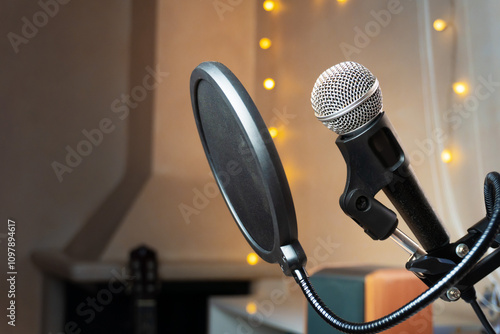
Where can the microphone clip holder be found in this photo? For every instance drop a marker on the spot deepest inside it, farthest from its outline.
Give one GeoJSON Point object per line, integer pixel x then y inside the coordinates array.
{"type": "Point", "coordinates": [374, 160]}
{"type": "Point", "coordinates": [377, 220]}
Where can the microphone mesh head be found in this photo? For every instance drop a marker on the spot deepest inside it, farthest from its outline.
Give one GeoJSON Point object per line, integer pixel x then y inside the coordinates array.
{"type": "Point", "coordinates": [340, 87]}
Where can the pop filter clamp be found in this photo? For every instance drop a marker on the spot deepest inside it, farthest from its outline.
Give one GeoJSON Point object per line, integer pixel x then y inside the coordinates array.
{"type": "Point", "coordinates": [256, 191]}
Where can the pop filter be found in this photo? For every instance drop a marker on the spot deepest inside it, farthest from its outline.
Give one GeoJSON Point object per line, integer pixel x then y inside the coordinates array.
{"type": "Point", "coordinates": [245, 163]}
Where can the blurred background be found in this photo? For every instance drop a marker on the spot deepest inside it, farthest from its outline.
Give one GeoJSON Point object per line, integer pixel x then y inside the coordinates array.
{"type": "Point", "coordinates": [101, 153]}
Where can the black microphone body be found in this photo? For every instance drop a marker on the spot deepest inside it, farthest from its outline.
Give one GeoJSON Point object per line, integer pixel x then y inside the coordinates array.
{"type": "Point", "coordinates": [348, 100]}
{"type": "Point", "coordinates": [375, 161]}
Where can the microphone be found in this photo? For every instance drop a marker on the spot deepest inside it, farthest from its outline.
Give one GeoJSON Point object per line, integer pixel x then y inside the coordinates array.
{"type": "Point", "coordinates": [347, 99]}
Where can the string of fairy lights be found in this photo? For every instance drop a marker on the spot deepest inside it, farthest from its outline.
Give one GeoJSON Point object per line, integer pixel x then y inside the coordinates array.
{"type": "Point", "coordinates": [460, 88]}
{"type": "Point", "coordinates": [264, 43]}
{"type": "Point", "coordinates": [491, 296]}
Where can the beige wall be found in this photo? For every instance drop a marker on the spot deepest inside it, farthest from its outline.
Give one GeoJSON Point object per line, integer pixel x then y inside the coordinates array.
{"type": "Point", "coordinates": [58, 84]}
{"type": "Point", "coordinates": [189, 32]}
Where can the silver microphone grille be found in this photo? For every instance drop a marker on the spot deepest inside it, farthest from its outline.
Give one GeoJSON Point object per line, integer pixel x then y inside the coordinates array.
{"type": "Point", "coordinates": [346, 97]}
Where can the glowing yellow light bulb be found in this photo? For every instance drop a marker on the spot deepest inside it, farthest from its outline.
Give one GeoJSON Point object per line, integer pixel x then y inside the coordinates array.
{"type": "Point", "coordinates": [446, 156]}
{"type": "Point", "coordinates": [269, 5]}
{"type": "Point", "coordinates": [459, 88]}
{"type": "Point", "coordinates": [251, 308]}
{"type": "Point", "coordinates": [265, 43]}
{"type": "Point", "coordinates": [273, 132]}
{"type": "Point", "coordinates": [439, 25]}
{"type": "Point", "coordinates": [269, 84]}
{"type": "Point", "coordinates": [252, 259]}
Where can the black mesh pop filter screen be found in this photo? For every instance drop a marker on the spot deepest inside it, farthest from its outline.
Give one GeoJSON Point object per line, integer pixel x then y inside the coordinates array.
{"type": "Point", "coordinates": [244, 160]}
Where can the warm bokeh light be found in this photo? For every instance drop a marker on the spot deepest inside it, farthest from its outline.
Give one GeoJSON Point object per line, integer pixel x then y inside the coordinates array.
{"type": "Point", "coordinates": [459, 88]}
{"type": "Point", "coordinates": [251, 308]}
{"type": "Point", "coordinates": [252, 259]}
{"type": "Point", "coordinates": [293, 173]}
{"type": "Point", "coordinates": [446, 156]}
{"type": "Point", "coordinates": [269, 5]}
{"type": "Point", "coordinates": [273, 132]}
{"type": "Point", "coordinates": [269, 84]}
{"type": "Point", "coordinates": [341, 1]}
{"type": "Point", "coordinates": [265, 43]}
{"type": "Point", "coordinates": [439, 25]}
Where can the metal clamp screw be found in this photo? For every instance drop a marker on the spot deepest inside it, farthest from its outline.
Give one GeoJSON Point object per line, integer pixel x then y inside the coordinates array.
{"type": "Point", "coordinates": [362, 203]}
{"type": "Point", "coordinates": [453, 294]}
{"type": "Point", "coordinates": [462, 250]}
